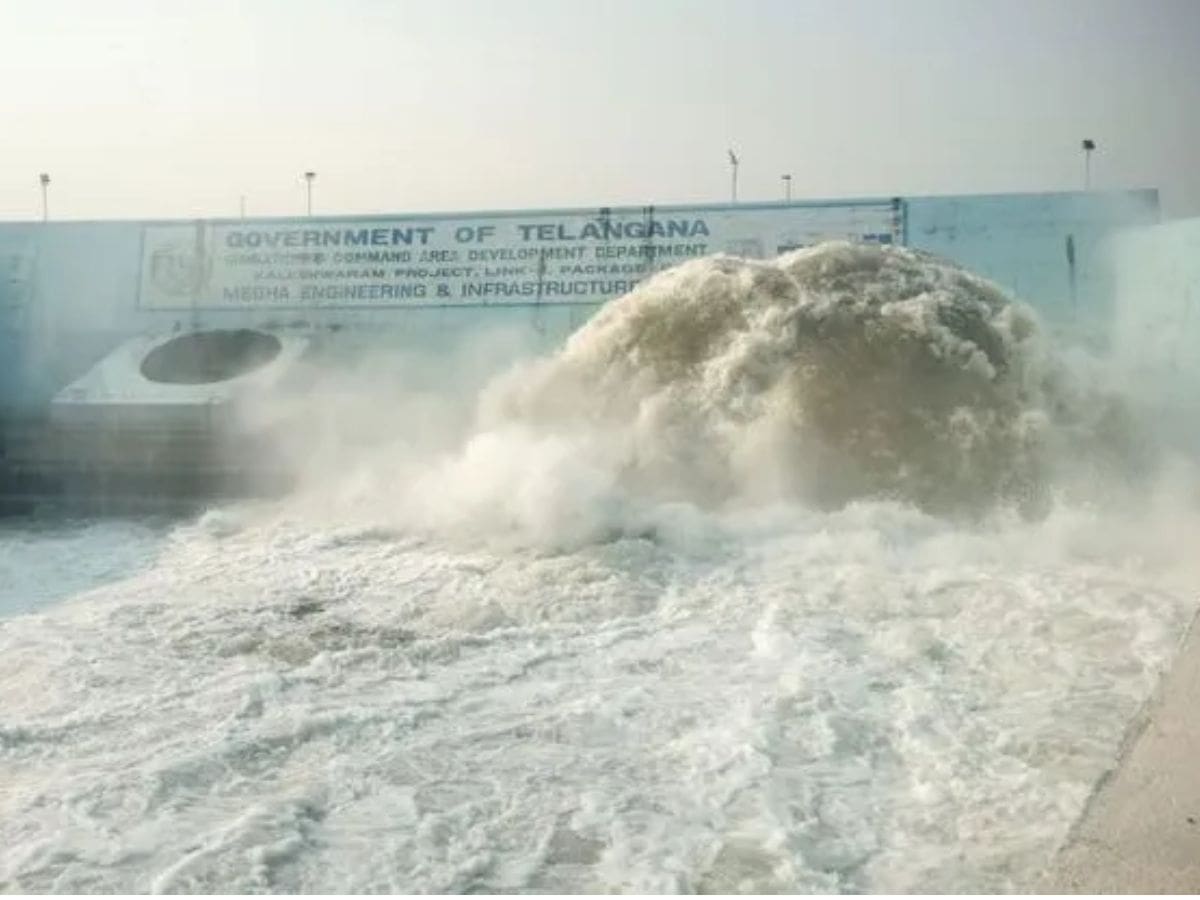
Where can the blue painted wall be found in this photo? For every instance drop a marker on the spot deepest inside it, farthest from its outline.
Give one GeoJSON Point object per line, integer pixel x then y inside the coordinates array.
{"type": "Point", "coordinates": [68, 289]}
{"type": "Point", "coordinates": [1156, 325]}
{"type": "Point", "coordinates": [1021, 242]}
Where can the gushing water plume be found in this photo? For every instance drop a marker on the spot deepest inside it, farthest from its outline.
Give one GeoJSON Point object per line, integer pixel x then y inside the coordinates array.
{"type": "Point", "coordinates": [832, 373]}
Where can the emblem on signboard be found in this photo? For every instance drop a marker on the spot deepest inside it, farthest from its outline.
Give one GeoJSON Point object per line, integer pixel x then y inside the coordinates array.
{"type": "Point", "coordinates": [179, 269]}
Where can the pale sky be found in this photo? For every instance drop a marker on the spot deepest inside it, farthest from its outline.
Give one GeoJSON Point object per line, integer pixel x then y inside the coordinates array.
{"type": "Point", "coordinates": [178, 108]}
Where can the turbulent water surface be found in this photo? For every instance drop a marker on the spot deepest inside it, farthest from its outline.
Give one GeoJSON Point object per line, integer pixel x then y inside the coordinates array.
{"type": "Point", "coordinates": [774, 578]}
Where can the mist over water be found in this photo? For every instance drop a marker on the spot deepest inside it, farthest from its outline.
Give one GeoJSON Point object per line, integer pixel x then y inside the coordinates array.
{"type": "Point", "coordinates": [828, 573]}
{"type": "Point", "coordinates": [833, 374]}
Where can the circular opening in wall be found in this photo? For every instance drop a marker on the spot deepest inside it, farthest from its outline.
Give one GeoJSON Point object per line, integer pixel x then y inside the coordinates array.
{"type": "Point", "coordinates": [203, 357]}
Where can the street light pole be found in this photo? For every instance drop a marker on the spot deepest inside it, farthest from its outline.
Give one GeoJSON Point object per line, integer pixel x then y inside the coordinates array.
{"type": "Point", "coordinates": [308, 177]}
{"type": "Point", "coordinates": [45, 182]}
{"type": "Point", "coordinates": [733, 166]}
{"type": "Point", "coordinates": [787, 188]}
{"type": "Point", "coordinates": [1088, 146]}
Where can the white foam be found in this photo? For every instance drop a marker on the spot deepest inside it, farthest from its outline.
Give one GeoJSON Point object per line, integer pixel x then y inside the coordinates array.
{"type": "Point", "coordinates": [869, 699]}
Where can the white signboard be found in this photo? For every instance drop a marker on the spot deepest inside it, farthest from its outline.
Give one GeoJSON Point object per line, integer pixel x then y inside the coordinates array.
{"type": "Point", "coordinates": [584, 256]}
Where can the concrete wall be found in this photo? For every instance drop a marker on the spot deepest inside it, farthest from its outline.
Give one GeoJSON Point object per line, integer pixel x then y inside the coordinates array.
{"type": "Point", "coordinates": [1021, 242]}
{"type": "Point", "coordinates": [68, 290]}
{"type": "Point", "coordinates": [1156, 325]}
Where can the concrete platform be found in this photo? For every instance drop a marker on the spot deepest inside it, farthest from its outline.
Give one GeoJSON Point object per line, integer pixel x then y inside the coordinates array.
{"type": "Point", "coordinates": [1140, 833]}
{"type": "Point", "coordinates": [157, 417]}
{"type": "Point", "coordinates": [122, 386]}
